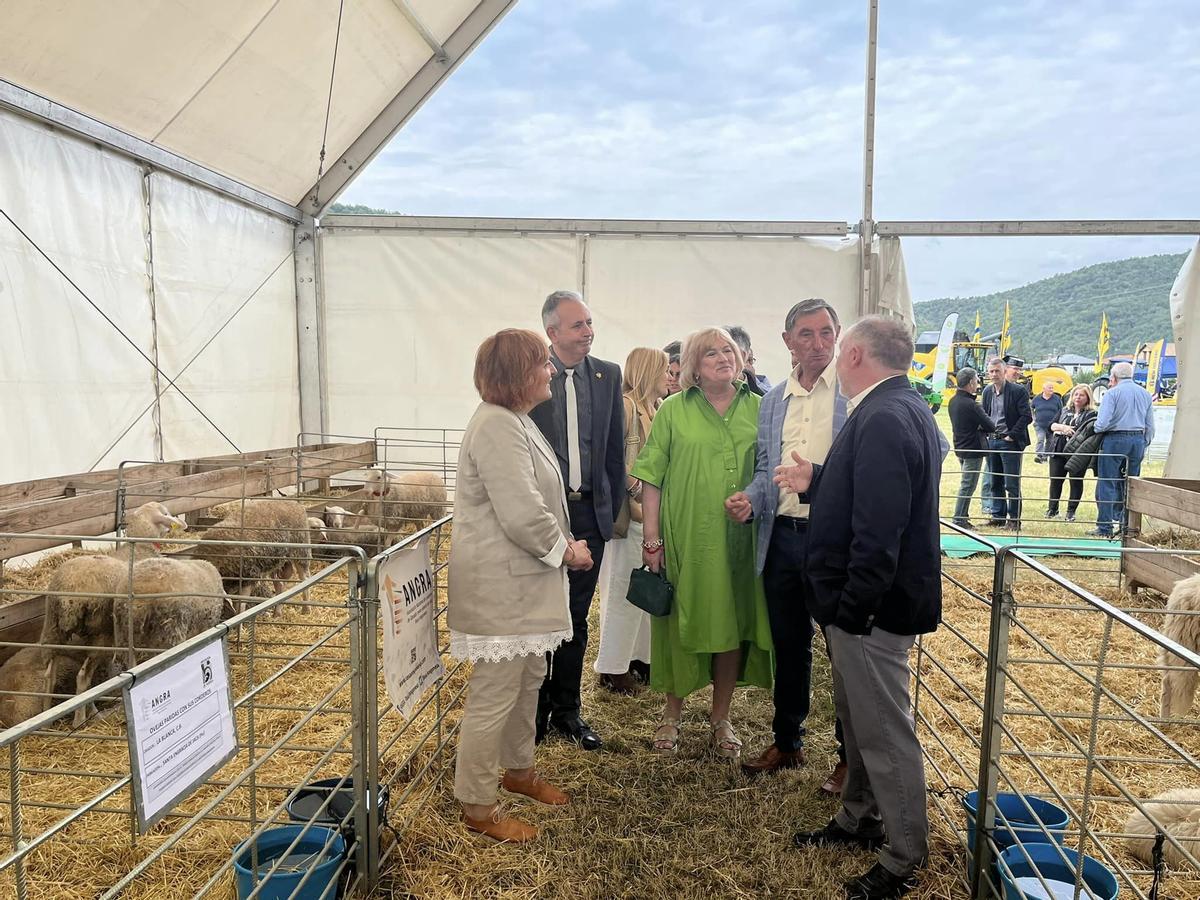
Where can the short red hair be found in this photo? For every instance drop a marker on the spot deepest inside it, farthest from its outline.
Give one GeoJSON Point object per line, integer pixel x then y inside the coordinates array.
{"type": "Point", "coordinates": [505, 366]}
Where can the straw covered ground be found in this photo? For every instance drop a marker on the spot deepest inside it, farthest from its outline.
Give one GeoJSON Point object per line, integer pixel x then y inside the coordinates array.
{"type": "Point", "coordinates": [639, 825]}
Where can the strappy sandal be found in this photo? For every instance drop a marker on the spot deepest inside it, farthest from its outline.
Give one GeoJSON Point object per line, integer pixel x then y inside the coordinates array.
{"type": "Point", "coordinates": [666, 737]}
{"type": "Point", "coordinates": [725, 741]}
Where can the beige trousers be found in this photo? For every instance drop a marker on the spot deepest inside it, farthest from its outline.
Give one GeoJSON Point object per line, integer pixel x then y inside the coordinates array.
{"type": "Point", "coordinates": [497, 725]}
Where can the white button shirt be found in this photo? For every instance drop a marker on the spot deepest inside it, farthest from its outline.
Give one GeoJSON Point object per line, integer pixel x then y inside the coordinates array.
{"type": "Point", "coordinates": [807, 430]}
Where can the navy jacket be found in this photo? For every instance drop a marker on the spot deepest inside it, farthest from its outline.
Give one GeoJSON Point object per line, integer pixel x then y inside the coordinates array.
{"type": "Point", "coordinates": [969, 423]}
{"type": "Point", "coordinates": [1017, 414]}
{"type": "Point", "coordinates": [874, 552]}
{"type": "Point", "coordinates": [608, 441]}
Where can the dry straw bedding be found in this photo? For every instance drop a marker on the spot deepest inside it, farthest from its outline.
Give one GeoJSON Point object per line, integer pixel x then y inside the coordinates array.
{"type": "Point", "coordinates": [639, 825]}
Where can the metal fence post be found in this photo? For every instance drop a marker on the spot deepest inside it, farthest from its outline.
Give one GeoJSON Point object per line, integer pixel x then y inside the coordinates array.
{"type": "Point", "coordinates": [992, 735]}
{"type": "Point", "coordinates": [367, 726]}
{"type": "Point", "coordinates": [15, 821]}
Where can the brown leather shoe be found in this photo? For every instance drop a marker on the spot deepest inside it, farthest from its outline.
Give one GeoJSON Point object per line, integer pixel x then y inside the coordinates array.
{"type": "Point", "coordinates": [833, 784]}
{"type": "Point", "coordinates": [772, 760]}
{"type": "Point", "coordinates": [500, 827]}
{"type": "Point", "coordinates": [533, 786]}
{"type": "Point", "coordinates": [625, 683]}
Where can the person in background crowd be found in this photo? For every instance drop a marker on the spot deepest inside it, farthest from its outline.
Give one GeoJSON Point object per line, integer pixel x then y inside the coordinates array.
{"type": "Point", "coordinates": [1047, 406]}
{"type": "Point", "coordinates": [1073, 419]}
{"type": "Point", "coordinates": [1126, 422]}
{"type": "Point", "coordinates": [701, 450]}
{"type": "Point", "coordinates": [970, 426]}
{"type": "Point", "coordinates": [625, 629]}
{"type": "Point", "coordinates": [802, 414]}
{"type": "Point", "coordinates": [672, 351]}
{"type": "Point", "coordinates": [1007, 404]}
{"type": "Point", "coordinates": [1014, 370]}
{"type": "Point", "coordinates": [758, 384]}
{"type": "Point", "coordinates": [582, 421]}
{"type": "Point", "coordinates": [508, 596]}
{"type": "Point", "coordinates": [874, 565]}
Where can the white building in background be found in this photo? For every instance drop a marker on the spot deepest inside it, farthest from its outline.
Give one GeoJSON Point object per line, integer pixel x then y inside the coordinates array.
{"type": "Point", "coordinates": [1072, 362]}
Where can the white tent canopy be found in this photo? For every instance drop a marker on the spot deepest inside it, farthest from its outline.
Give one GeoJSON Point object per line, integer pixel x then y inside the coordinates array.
{"type": "Point", "coordinates": [242, 88]}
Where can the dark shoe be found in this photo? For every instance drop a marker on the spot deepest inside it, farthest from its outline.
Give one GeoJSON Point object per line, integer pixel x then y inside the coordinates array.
{"type": "Point", "coordinates": [640, 670]}
{"type": "Point", "coordinates": [877, 883]}
{"type": "Point", "coordinates": [577, 731]}
{"type": "Point", "coordinates": [962, 523]}
{"type": "Point", "coordinates": [1096, 532]}
{"type": "Point", "coordinates": [1070, 517]}
{"type": "Point", "coordinates": [834, 835]}
{"type": "Point", "coordinates": [995, 523]}
{"type": "Point", "coordinates": [774, 759]}
{"type": "Point", "coordinates": [1012, 525]}
{"type": "Point", "coordinates": [833, 784]}
{"type": "Point", "coordinates": [1052, 514]}
{"type": "Point", "coordinates": [621, 684]}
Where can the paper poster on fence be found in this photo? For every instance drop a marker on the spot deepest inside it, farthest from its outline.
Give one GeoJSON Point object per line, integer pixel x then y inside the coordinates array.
{"type": "Point", "coordinates": [411, 661]}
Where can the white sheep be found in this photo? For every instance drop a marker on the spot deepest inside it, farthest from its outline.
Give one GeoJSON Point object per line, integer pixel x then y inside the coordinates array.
{"type": "Point", "coordinates": [393, 500]}
{"type": "Point", "coordinates": [1179, 686]}
{"type": "Point", "coordinates": [338, 517]}
{"type": "Point", "coordinates": [1176, 812]}
{"type": "Point", "coordinates": [171, 600]}
{"type": "Point", "coordinates": [256, 568]}
{"type": "Point", "coordinates": [23, 684]}
{"type": "Point", "coordinates": [85, 620]}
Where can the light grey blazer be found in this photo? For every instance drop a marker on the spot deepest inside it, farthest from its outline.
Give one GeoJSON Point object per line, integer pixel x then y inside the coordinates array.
{"type": "Point", "coordinates": [510, 521]}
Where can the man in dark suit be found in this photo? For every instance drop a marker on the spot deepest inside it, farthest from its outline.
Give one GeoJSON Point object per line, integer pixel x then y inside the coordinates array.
{"type": "Point", "coordinates": [584, 422]}
{"type": "Point", "coordinates": [875, 583]}
{"type": "Point", "coordinates": [1006, 403]}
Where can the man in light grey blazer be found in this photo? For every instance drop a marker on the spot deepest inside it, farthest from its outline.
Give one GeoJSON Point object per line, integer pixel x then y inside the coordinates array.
{"type": "Point", "coordinates": [801, 414]}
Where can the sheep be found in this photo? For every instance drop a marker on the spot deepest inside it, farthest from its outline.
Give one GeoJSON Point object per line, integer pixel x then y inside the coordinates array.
{"type": "Point", "coordinates": [338, 517]}
{"type": "Point", "coordinates": [171, 600]}
{"type": "Point", "coordinates": [85, 621]}
{"type": "Point", "coordinates": [409, 496]}
{"type": "Point", "coordinates": [1177, 813]}
{"type": "Point", "coordinates": [256, 568]}
{"type": "Point", "coordinates": [1179, 686]}
{"type": "Point", "coordinates": [23, 684]}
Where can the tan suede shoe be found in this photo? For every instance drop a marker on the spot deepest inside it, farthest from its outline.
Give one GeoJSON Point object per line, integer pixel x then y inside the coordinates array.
{"type": "Point", "coordinates": [500, 827]}
{"type": "Point", "coordinates": [533, 786]}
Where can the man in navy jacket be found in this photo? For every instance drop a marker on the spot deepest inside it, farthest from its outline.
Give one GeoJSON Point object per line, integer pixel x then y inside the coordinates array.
{"type": "Point", "coordinates": [1006, 402]}
{"type": "Point", "coordinates": [875, 580]}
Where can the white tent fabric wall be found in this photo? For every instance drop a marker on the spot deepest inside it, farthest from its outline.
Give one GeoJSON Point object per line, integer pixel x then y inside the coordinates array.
{"type": "Point", "coordinates": [210, 256]}
{"type": "Point", "coordinates": [74, 395]}
{"type": "Point", "coordinates": [1183, 460]}
{"type": "Point", "coordinates": [66, 376]}
{"type": "Point", "coordinates": [405, 311]}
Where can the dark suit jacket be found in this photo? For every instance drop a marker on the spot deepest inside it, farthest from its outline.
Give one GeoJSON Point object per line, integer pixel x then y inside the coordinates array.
{"type": "Point", "coordinates": [969, 424]}
{"type": "Point", "coordinates": [874, 553]}
{"type": "Point", "coordinates": [608, 441]}
{"type": "Point", "coordinates": [1017, 414]}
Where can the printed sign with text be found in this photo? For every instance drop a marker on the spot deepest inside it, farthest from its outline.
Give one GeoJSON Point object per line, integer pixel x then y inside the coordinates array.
{"type": "Point", "coordinates": [411, 662]}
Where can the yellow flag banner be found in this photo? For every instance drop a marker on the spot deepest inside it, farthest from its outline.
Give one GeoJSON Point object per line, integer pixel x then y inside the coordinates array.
{"type": "Point", "coordinates": [1005, 332]}
{"type": "Point", "coordinates": [1102, 343]}
{"type": "Point", "coordinates": [977, 337]}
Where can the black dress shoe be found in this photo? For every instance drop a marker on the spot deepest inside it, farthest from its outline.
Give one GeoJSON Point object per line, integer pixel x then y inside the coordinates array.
{"type": "Point", "coordinates": [640, 670]}
{"type": "Point", "coordinates": [577, 731]}
{"type": "Point", "coordinates": [834, 835]}
{"type": "Point", "coordinates": [877, 883]}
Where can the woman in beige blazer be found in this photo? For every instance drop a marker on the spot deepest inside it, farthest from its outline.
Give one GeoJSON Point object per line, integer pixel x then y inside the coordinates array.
{"type": "Point", "coordinates": [508, 586]}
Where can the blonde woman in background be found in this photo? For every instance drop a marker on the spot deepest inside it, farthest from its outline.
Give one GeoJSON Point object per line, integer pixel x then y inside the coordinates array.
{"type": "Point", "coordinates": [625, 629]}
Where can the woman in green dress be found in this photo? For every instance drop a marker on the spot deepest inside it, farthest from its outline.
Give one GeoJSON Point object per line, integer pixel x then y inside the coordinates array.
{"type": "Point", "coordinates": [701, 450]}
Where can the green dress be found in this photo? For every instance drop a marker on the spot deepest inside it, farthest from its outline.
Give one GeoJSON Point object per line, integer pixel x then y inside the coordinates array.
{"type": "Point", "coordinates": [697, 458]}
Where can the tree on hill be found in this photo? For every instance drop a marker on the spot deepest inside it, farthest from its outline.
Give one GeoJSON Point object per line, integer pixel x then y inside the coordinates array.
{"type": "Point", "coordinates": [1061, 314]}
{"type": "Point", "coordinates": [358, 209]}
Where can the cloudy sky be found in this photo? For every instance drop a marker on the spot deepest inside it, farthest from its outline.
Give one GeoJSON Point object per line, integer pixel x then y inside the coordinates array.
{"type": "Point", "coordinates": [754, 110]}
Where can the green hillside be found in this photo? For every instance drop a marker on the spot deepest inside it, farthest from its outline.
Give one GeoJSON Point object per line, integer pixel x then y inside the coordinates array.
{"type": "Point", "coordinates": [1061, 314]}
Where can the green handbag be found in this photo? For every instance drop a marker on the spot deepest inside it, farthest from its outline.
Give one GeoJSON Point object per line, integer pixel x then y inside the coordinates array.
{"type": "Point", "coordinates": [650, 591]}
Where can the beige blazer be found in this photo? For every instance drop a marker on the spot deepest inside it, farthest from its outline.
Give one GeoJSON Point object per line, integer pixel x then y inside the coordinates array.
{"type": "Point", "coordinates": [510, 530]}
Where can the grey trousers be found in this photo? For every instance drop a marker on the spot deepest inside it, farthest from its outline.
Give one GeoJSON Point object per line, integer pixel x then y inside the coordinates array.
{"type": "Point", "coordinates": [497, 725]}
{"type": "Point", "coordinates": [885, 778]}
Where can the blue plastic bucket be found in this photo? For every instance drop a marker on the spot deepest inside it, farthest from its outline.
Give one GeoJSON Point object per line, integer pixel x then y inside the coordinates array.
{"type": "Point", "coordinates": [319, 851]}
{"type": "Point", "coordinates": [1030, 860]}
{"type": "Point", "coordinates": [1012, 806]}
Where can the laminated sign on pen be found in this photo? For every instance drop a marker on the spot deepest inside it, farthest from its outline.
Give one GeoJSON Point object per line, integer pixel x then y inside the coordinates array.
{"type": "Point", "coordinates": [181, 728]}
{"type": "Point", "coordinates": [408, 591]}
